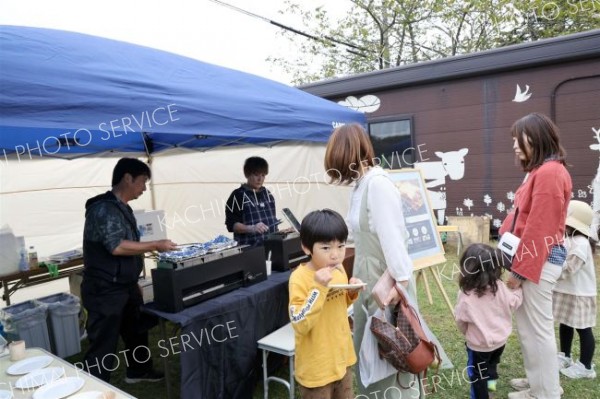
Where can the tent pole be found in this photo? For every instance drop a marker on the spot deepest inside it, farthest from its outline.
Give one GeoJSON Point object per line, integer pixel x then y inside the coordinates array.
{"type": "Point", "coordinates": [149, 147]}
{"type": "Point", "coordinates": [152, 196]}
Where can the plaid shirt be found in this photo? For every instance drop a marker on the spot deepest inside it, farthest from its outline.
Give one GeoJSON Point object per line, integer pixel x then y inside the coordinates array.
{"type": "Point", "coordinates": [250, 207]}
{"type": "Point", "coordinates": [557, 256]}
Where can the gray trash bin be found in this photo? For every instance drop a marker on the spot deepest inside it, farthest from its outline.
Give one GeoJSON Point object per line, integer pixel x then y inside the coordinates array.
{"type": "Point", "coordinates": [26, 321]}
{"type": "Point", "coordinates": [63, 323]}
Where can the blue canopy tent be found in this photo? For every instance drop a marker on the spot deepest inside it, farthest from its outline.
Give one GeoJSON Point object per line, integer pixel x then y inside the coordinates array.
{"type": "Point", "coordinates": [65, 94]}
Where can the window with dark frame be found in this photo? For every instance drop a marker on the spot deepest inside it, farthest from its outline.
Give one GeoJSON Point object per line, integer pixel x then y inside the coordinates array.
{"type": "Point", "coordinates": [392, 142]}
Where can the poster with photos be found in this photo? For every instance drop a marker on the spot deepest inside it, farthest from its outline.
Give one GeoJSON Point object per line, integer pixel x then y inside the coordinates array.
{"type": "Point", "coordinates": [423, 241]}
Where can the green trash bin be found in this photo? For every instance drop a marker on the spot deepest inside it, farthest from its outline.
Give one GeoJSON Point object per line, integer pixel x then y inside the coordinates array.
{"type": "Point", "coordinates": [63, 323]}
{"type": "Point", "coordinates": [26, 321]}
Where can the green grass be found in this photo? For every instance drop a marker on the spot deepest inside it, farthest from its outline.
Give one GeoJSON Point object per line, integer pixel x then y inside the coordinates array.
{"type": "Point", "coordinates": [452, 383]}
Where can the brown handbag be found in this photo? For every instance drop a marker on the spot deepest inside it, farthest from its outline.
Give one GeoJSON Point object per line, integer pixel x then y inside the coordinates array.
{"type": "Point", "coordinates": [404, 345]}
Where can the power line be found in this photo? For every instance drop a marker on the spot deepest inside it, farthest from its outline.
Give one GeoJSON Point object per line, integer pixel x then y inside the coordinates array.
{"type": "Point", "coordinates": [296, 31]}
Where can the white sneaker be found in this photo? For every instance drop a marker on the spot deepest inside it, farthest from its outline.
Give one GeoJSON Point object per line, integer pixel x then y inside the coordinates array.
{"type": "Point", "coordinates": [563, 361]}
{"type": "Point", "coordinates": [578, 370]}
{"type": "Point", "coordinates": [520, 395]}
{"type": "Point", "coordinates": [519, 384]}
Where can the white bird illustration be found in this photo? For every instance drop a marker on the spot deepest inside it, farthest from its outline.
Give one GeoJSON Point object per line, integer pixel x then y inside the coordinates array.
{"type": "Point", "coordinates": [521, 96]}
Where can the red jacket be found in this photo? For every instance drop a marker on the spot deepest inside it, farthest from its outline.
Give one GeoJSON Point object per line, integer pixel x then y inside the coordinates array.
{"type": "Point", "coordinates": [542, 201]}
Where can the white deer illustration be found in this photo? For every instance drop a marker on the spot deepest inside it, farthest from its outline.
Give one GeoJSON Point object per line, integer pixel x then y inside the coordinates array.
{"type": "Point", "coordinates": [452, 164]}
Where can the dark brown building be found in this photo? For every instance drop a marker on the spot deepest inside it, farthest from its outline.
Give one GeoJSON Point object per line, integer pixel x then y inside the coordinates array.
{"type": "Point", "coordinates": [455, 114]}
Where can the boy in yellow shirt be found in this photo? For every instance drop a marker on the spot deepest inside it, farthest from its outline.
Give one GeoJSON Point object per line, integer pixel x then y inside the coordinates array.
{"type": "Point", "coordinates": [324, 349]}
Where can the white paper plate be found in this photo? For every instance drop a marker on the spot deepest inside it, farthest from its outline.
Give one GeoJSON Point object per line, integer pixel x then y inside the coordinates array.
{"type": "Point", "coordinates": [348, 286]}
{"type": "Point", "coordinates": [28, 365]}
{"type": "Point", "coordinates": [88, 395]}
{"type": "Point", "coordinates": [39, 377]}
{"type": "Point", "coordinates": [60, 388]}
{"type": "Point", "coordinates": [4, 394]}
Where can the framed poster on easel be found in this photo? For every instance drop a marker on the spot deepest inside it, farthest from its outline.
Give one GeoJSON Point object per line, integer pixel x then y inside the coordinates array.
{"type": "Point", "coordinates": [424, 244]}
{"type": "Point", "coordinates": [423, 241]}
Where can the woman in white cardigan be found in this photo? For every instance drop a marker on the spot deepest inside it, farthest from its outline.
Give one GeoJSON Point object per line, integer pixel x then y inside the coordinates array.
{"type": "Point", "coordinates": [377, 225]}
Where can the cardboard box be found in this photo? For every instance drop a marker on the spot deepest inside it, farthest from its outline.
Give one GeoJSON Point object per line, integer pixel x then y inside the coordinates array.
{"type": "Point", "coordinates": [474, 229]}
{"type": "Point", "coordinates": [150, 226]}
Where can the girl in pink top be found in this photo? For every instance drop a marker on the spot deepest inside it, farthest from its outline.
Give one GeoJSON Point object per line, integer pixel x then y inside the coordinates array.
{"type": "Point", "coordinates": [483, 314]}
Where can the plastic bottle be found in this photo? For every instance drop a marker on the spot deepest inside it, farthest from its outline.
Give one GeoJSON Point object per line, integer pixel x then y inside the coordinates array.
{"type": "Point", "coordinates": [33, 258]}
{"type": "Point", "coordinates": [23, 263]}
{"type": "Point", "coordinates": [23, 256]}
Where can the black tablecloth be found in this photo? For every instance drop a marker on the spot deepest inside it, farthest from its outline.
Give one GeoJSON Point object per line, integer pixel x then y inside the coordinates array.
{"type": "Point", "coordinates": [218, 351]}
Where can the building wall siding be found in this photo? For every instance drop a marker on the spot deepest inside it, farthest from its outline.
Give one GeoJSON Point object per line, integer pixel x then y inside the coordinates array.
{"type": "Point", "coordinates": [477, 112]}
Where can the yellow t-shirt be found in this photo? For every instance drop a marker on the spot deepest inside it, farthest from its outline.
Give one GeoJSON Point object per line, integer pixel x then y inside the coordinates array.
{"type": "Point", "coordinates": [324, 347]}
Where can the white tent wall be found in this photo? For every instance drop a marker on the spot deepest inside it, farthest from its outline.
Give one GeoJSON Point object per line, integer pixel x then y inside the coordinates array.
{"type": "Point", "coordinates": [44, 200]}
{"type": "Point", "coordinates": [193, 188]}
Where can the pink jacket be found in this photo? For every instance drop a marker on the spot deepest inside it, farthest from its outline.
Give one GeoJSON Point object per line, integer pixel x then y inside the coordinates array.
{"type": "Point", "coordinates": [486, 321]}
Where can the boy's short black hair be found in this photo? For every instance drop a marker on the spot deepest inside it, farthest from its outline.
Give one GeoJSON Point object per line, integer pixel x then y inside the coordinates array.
{"type": "Point", "coordinates": [255, 165]}
{"type": "Point", "coordinates": [133, 166]}
{"type": "Point", "coordinates": [322, 226]}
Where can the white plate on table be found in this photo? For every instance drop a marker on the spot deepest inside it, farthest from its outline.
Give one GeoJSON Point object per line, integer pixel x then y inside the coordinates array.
{"type": "Point", "coordinates": [4, 394]}
{"type": "Point", "coordinates": [347, 286]}
{"type": "Point", "coordinates": [28, 365]}
{"type": "Point", "coordinates": [88, 395]}
{"type": "Point", "coordinates": [40, 377]}
{"type": "Point", "coordinates": [60, 388]}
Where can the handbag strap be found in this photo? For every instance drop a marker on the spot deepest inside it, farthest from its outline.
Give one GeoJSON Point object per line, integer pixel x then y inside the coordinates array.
{"type": "Point", "coordinates": [402, 299]}
{"type": "Point", "coordinates": [512, 227]}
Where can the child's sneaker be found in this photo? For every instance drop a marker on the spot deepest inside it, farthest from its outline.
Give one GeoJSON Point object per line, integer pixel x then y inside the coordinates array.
{"type": "Point", "coordinates": [578, 370]}
{"type": "Point", "coordinates": [492, 385]}
{"type": "Point", "coordinates": [563, 361]}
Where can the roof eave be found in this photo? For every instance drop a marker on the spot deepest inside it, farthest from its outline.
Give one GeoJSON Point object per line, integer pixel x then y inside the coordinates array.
{"type": "Point", "coordinates": [579, 46]}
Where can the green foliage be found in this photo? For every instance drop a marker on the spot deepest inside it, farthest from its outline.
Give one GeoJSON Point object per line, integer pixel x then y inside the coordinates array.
{"type": "Point", "coordinates": [379, 34]}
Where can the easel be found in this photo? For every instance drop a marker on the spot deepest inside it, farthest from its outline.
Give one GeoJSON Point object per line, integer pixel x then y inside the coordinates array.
{"type": "Point", "coordinates": [435, 272]}
{"type": "Point", "coordinates": [421, 267]}
{"type": "Point", "coordinates": [438, 281]}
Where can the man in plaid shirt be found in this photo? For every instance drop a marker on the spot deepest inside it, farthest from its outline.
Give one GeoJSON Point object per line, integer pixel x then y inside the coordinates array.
{"type": "Point", "coordinates": [250, 209]}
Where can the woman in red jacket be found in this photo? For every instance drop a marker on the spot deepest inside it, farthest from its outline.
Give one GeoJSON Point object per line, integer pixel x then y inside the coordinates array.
{"type": "Point", "coordinates": [539, 221]}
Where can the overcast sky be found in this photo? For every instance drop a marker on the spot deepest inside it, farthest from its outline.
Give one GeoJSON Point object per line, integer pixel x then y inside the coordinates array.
{"type": "Point", "coordinates": [199, 29]}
